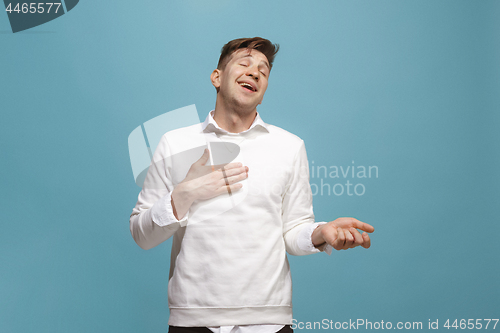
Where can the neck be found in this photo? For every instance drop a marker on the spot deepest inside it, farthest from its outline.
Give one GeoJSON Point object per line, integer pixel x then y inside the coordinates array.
{"type": "Point", "coordinates": [232, 120]}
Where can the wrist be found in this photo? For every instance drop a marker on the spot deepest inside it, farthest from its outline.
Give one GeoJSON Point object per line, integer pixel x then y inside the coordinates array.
{"type": "Point", "coordinates": [184, 193]}
{"type": "Point", "coordinates": [182, 200]}
{"type": "Point", "coordinates": [317, 237]}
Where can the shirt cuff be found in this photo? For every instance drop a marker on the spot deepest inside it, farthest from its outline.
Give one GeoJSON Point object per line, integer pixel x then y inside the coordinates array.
{"type": "Point", "coordinates": [162, 213]}
{"type": "Point", "coordinates": [304, 241]}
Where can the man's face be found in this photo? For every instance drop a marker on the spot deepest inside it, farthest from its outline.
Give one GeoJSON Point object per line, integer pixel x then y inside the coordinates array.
{"type": "Point", "coordinates": [243, 82]}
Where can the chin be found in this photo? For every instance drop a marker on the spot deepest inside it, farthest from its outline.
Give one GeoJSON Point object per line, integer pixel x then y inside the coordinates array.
{"type": "Point", "coordinates": [243, 107]}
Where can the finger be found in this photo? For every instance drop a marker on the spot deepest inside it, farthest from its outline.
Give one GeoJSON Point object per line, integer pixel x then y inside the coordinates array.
{"type": "Point", "coordinates": [363, 226]}
{"type": "Point", "coordinates": [358, 239]}
{"type": "Point", "coordinates": [204, 158]}
{"type": "Point", "coordinates": [228, 166]}
{"type": "Point", "coordinates": [349, 239]}
{"type": "Point", "coordinates": [235, 179]}
{"type": "Point", "coordinates": [348, 236]}
{"type": "Point", "coordinates": [366, 241]}
{"type": "Point", "coordinates": [224, 176]}
{"type": "Point", "coordinates": [352, 222]}
{"type": "Point", "coordinates": [340, 241]}
{"type": "Point", "coordinates": [228, 189]}
{"type": "Point", "coordinates": [235, 171]}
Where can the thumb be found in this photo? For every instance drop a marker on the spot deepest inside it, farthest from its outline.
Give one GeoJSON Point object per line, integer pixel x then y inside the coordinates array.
{"type": "Point", "coordinates": [204, 158]}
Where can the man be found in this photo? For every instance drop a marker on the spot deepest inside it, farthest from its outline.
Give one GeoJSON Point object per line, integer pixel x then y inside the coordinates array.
{"type": "Point", "coordinates": [233, 222]}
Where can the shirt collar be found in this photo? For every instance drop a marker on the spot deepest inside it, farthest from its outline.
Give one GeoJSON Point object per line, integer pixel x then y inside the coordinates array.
{"type": "Point", "coordinates": [209, 125]}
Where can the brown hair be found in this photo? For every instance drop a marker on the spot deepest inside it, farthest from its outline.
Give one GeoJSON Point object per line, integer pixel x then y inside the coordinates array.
{"type": "Point", "coordinates": [256, 43]}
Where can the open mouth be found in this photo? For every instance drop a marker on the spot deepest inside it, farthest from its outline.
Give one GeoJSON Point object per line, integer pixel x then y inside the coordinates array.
{"type": "Point", "coordinates": [247, 86]}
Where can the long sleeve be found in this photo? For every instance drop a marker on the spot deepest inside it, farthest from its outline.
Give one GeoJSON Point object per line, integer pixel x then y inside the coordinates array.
{"type": "Point", "coordinates": [297, 210]}
{"type": "Point", "coordinates": [152, 220]}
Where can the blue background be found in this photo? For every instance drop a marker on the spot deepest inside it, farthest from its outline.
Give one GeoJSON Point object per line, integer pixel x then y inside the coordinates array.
{"type": "Point", "coordinates": [409, 86]}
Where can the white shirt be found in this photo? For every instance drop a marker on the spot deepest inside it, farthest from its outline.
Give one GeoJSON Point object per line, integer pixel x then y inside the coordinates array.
{"type": "Point", "coordinates": [228, 269]}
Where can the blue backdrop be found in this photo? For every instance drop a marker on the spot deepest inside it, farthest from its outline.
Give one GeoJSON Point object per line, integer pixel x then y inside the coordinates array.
{"type": "Point", "coordinates": [409, 87]}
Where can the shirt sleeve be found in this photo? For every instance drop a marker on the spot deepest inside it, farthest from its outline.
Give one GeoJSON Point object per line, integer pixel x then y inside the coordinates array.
{"type": "Point", "coordinates": [304, 241]}
{"type": "Point", "coordinates": [297, 209]}
{"type": "Point", "coordinates": [152, 220]}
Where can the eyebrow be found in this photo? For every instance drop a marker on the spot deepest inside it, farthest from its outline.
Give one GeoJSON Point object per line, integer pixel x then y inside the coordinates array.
{"type": "Point", "coordinates": [265, 62]}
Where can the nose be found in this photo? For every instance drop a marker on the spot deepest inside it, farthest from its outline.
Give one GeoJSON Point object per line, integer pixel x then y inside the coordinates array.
{"type": "Point", "coordinates": [254, 73]}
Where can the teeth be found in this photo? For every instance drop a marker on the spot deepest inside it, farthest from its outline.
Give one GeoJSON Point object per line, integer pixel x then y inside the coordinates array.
{"type": "Point", "coordinates": [246, 85]}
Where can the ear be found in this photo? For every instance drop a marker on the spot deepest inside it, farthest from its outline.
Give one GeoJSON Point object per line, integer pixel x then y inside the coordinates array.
{"type": "Point", "coordinates": [215, 78]}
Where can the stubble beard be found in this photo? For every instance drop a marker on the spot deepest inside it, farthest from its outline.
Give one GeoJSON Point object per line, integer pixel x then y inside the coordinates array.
{"type": "Point", "coordinates": [234, 105]}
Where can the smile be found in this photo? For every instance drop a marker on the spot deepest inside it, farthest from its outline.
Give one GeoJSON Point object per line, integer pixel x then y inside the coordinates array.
{"type": "Point", "coordinates": [248, 86]}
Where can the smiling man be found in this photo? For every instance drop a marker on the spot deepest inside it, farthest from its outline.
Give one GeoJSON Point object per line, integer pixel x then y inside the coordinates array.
{"type": "Point", "coordinates": [232, 223]}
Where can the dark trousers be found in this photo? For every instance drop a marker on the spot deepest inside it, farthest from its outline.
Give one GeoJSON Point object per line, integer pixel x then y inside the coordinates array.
{"type": "Point", "coordinates": [178, 329]}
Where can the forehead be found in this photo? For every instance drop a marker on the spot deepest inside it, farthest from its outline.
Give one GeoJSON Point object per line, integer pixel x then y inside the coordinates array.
{"type": "Point", "coordinates": [250, 53]}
